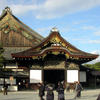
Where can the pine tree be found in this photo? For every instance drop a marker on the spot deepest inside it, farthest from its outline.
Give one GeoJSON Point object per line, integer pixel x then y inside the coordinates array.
{"type": "Point", "coordinates": [95, 66]}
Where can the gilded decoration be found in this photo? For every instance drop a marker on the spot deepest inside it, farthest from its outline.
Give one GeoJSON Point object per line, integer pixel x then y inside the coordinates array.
{"type": "Point", "coordinates": [5, 19]}
{"type": "Point", "coordinates": [54, 29]}
{"type": "Point", "coordinates": [24, 33]}
{"type": "Point", "coordinates": [73, 66]}
{"type": "Point", "coordinates": [7, 28]}
{"type": "Point", "coordinates": [34, 57]}
{"type": "Point", "coordinates": [71, 49]}
{"type": "Point", "coordinates": [55, 53]}
{"type": "Point", "coordinates": [8, 24]}
{"type": "Point", "coordinates": [36, 67]}
{"type": "Point", "coordinates": [67, 55]}
{"type": "Point", "coordinates": [54, 64]}
{"type": "Point", "coordinates": [57, 40]}
{"type": "Point", "coordinates": [37, 49]}
{"type": "Point", "coordinates": [38, 57]}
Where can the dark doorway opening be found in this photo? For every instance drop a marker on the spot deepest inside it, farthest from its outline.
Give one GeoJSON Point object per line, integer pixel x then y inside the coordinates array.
{"type": "Point", "coordinates": [54, 76]}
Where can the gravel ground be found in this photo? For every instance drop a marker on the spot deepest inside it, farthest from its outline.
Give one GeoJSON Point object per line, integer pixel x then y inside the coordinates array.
{"type": "Point", "coordinates": [33, 95]}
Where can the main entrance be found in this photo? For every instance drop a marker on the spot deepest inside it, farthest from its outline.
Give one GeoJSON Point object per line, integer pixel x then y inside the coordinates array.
{"type": "Point", "coordinates": [54, 76]}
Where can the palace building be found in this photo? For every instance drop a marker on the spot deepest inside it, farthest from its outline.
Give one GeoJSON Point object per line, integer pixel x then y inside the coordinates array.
{"type": "Point", "coordinates": [15, 36]}
{"type": "Point", "coordinates": [54, 59]}
{"type": "Point", "coordinates": [35, 58]}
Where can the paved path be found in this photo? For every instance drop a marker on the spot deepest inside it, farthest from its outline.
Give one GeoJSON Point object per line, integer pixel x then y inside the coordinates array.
{"type": "Point", "coordinates": [32, 95]}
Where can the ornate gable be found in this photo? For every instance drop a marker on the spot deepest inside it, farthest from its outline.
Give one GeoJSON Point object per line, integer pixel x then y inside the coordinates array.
{"type": "Point", "coordinates": [15, 36]}
{"type": "Point", "coordinates": [56, 45]}
{"type": "Point", "coordinates": [13, 33]}
{"type": "Point", "coordinates": [55, 40]}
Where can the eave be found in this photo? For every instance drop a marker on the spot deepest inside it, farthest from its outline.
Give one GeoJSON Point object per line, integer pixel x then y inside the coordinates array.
{"type": "Point", "coordinates": [37, 52]}
{"type": "Point", "coordinates": [53, 50]}
{"type": "Point", "coordinates": [21, 27]}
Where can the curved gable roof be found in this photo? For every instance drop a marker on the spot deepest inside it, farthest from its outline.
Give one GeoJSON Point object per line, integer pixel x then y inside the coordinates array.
{"type": "Point", "coordinates": [29, 33]}
{"type": "Point", "coordinates": [55, 43]}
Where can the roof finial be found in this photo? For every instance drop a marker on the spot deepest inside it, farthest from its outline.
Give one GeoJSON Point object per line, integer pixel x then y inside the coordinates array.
{"type": "Point", "coordinates": [54, 29]}
{"type": "Point", "coordinates": [8, 9]}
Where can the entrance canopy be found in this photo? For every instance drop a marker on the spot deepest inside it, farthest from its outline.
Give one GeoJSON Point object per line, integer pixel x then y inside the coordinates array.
{"type": "Point", "coordinates": [55, 44]}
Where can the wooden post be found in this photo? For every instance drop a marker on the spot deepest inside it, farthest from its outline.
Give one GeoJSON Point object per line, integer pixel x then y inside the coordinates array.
{"type": "Point", "coordinates": [65, 74]}
{"type": "Point", "coordinates": [4, 73]}
{"type": "Point", "coordinates": [43, 75]}
{"type": "Point", "coordinates": [95, 81]}
{"type": "Point", "coordinates": [78, 75]}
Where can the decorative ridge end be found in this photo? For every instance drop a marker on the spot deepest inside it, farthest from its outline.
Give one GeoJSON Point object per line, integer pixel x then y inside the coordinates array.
{"type": "Point", "coordinates": [7, 9]}
{"type": "Point", "coordinates": [54, 29]}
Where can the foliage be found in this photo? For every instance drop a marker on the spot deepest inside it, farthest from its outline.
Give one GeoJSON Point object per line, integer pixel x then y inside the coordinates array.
{"type": "Point", "coordinates": [95, 66]}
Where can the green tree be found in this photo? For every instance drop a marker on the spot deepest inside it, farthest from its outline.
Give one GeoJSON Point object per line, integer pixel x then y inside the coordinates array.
{"type": "Point", "coordinates": [95, 66]}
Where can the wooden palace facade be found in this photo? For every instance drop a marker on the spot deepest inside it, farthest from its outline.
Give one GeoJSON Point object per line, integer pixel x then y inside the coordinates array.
{"type": "Point", "coordinates": [54, 60]}
{"type": "Point", "coordinates": [31, 58]}
{"type": "Point", "coordinates": [15, 36]}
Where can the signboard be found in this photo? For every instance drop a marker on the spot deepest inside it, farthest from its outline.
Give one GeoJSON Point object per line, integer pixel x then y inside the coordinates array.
{"type": "Point", "coordinates": [11, 78]}
{"type": "Point", "coordinates": [35, 76]}
{"type": "Point", "coordinates": [82, 76]}
{"type": "Point", "coordinates": [72, 76]}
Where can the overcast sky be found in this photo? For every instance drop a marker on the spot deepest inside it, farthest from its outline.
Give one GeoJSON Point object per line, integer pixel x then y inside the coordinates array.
{"type": "Point", "coordinates": [78, 21]}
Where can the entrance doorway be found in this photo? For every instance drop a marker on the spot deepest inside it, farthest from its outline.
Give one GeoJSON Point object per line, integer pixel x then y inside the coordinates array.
{"type": "Point", "coordinates": [54, 76]}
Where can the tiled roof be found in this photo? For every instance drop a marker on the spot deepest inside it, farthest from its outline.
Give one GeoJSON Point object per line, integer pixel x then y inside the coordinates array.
{"type": "Point", "coordinates": [12, 22]}
{"type": "Point", "coordinates": [22, 25]}
{"type": "Point", "coordinates": [35, 51]}
{"type": "Point", "coordinates": [9, 50]}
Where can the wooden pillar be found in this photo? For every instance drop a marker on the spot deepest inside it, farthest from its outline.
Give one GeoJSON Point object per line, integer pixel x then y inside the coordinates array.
{"type": "Point", "coordinates": [4, 73]}
{"type": "Point", "coordinates": [95, 81]}
{"type": "Point", "coordinates": [43, 75]}
{"type": "Point", "coordinates": [78, 75]}
{"type": "Point", "coordinates": [65, 75]}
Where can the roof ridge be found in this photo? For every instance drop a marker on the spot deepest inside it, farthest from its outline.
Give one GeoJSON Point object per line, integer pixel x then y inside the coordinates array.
{"type": "Point", "coordinates": [5, 11]}
{"type": "Point", "coordinates": [25, 26]}
{"type": "Point", "coordinates": [22, 25]}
